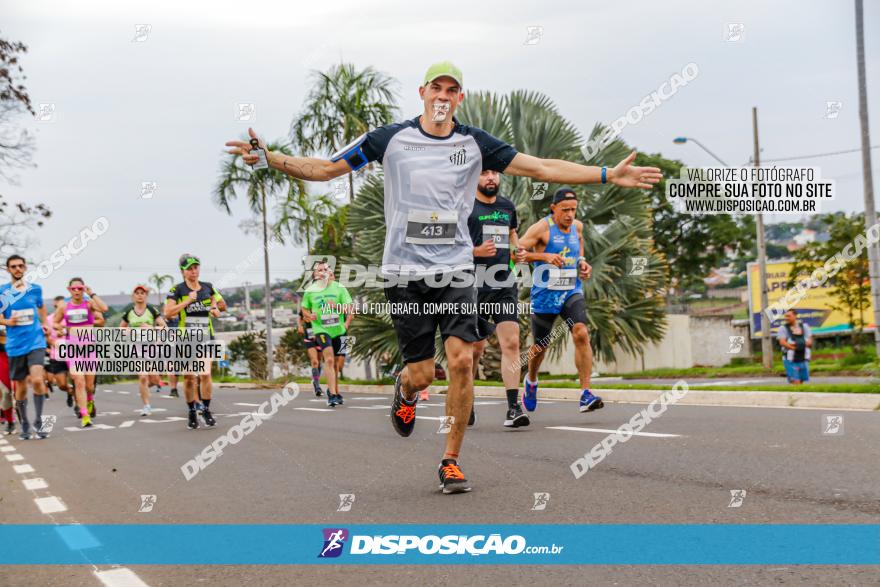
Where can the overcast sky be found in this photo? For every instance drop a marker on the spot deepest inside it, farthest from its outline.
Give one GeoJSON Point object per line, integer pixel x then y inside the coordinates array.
{"type": "Point", "coordinates": [160, 107]}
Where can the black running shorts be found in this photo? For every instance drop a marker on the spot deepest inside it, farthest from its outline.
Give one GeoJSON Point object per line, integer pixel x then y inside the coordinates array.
{"type": "Point", "coordinates": [573, 311]}
{"type": "Point", "coordinates": [418, 309]}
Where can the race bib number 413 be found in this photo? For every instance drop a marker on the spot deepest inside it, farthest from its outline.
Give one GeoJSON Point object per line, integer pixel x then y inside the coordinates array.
{"type": "Point", "coordinates": [424, 227]}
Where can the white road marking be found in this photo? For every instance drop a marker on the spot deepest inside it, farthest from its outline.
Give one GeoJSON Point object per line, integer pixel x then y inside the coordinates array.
{"type": "Point", "coordinates": [168, 419]}
{"type": "Point", "coordinates": [607, 431]}
{"type": "Point", "coordinates": [3, 441]}
{"type": "Point", "coordinates": [23, 469]}
{"type": "Point", "coordinates": [35, 483]}
{"type": "Point", "coordinates": [367, 398]}
{"type": "Point", "coordinates": [110, 413]}
{"type": "Point", "coordinates": [121, 577]}
{"type": "Point", "coordinates": [428, 417]}
{"type": "Point", "coordinates": [7, 449]}
{"type": "Point", "coordinates": [15, 457]}
{"type": "Point", "coordinates": [107, 390]}
{"type": "Point", "coordinates": [315, 409]}
{"type": "Point", "coordinates": [123, 392]}
{"type": "Point", "coordinates": [368, 407]}
{"type": "Point", "coordinates": [50, 505]}
{"type": "Point", "coordinates": [139, 410]}
{"type": "Point", "coordinates": [248, 405]}
{"type": "Point", "coordinates": [127, 424]}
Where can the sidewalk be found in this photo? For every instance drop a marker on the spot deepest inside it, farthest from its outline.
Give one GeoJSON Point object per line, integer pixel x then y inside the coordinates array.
{"type": "Point", "coordinates": [694, 397]}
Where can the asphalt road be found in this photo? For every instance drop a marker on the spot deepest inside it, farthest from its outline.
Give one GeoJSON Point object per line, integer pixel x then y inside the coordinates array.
{"type": "Point", "coordinates": [293, 468]}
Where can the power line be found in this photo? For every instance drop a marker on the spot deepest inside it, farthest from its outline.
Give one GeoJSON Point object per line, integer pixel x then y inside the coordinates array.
{"type": "Point", "coordinates": [817, 155]}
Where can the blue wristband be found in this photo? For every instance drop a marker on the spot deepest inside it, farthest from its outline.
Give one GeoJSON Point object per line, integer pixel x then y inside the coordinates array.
{"type": "Point", "coordinates": [604, 175]}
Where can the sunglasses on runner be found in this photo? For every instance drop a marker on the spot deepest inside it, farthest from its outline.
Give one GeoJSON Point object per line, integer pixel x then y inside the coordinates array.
{"type": "Point", "coordinates": [76, 288]}
{"type": "Point", "coordinates": [17, 266]}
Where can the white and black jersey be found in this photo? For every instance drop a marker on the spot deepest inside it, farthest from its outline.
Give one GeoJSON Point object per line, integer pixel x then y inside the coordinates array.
{"type": "Point", "coordinates": [429, 193]}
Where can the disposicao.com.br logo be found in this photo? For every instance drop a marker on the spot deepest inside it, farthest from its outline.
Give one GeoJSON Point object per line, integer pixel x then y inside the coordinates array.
{"type": "Point", "coordinates": [457, 544]}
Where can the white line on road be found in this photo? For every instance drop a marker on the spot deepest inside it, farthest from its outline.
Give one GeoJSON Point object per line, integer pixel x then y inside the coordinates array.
{"type": "Point", "coordinates": [50, 505]}
{"type": "Point", "coordinates": [428, 417]}
{"type": "Point", "coordinates": [123, 392]}
{"type": "Point", "coordinates": [121, 577]}
{"type": "Point", "coordinates": [16, 457]}
{"type": "Point", "coordinates": [35, 483]}
{"type": "Point", "coordinates": [315, 409]}
{"type": "Point", "coordinates": [127, 424]}
{"type": "Point", "coordinates": [368, 407]}
{"type": "Point", "coordinates": [3, 441]}
{"type": "Point", "coordinates": [23, 469]}
{"type": "Point", "coordinates": [7, 449]}
{"type": "Point", "coordinates": [606, 431]}
{"type": "Point", "coordinates": [248, 405]}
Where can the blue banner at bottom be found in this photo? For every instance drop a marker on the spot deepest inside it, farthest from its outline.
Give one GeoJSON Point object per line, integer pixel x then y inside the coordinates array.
{"type": "Point", "coordinates": [488, 544]}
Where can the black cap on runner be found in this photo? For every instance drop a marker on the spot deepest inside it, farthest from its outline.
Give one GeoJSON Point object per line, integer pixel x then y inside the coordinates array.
{"type": "Point", "coordinates": [564, 193]}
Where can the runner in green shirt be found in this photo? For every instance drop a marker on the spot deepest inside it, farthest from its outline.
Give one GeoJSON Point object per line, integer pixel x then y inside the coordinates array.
{"type": "Point", "coordinates": [322, 306]}
{"type": "Point", "coordinates": [140, 314]}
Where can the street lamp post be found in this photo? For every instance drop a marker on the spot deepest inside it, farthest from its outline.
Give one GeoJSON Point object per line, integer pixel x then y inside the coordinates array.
{"type": "Point", "coordinates": [766, 343]}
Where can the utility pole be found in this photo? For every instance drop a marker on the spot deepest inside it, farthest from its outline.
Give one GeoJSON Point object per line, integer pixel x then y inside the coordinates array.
{"type": "Point", "coordinates": [870, 212]}
{"type": "Point", "coordinates": [267, 299]}
{"type": "Point", "coordinates": [766, 342]}
{"type": "Point", "coordinates": [247, 305]}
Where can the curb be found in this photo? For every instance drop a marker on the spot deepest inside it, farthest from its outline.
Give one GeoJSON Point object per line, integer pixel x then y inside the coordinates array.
{"type": "Point", "coordinates": [694, 397]}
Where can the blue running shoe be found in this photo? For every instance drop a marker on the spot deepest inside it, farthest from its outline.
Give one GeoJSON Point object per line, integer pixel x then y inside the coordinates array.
{"type": "Point", "coordinates": [530, 394]}
{"type": "Point", "coordinates": [590, 402]}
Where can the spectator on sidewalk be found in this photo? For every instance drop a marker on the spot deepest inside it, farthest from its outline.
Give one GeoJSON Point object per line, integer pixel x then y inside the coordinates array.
{"type": "Point", "coordinates": [796, 340]}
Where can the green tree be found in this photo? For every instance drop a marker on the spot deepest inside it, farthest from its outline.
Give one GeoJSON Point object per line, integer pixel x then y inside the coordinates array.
{"type": "Point", "coordinates": [159, 281]}
{"type": "Point", "coordinates": [850, 286]}
{"type": "Point", "coordinates": [250, 347]}
{"type": "Point", "coordinates": [344, 103]}
{"type": "Point", "coordinates": [303, 217]}
{"type": "Point", "coordinates": [17, 219]}
{"type": "Point", "coordinates": [291, 352]}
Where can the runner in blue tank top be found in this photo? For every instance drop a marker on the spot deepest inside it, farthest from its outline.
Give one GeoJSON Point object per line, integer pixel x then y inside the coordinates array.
{"type": "Point", "coordinates": [557, 251]}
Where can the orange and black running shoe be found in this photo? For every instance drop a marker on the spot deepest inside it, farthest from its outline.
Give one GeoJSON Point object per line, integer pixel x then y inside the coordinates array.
{"type": "Point", "coordinates": [403, 412]}
{"type": "Point", "coordinates": [451, 478]}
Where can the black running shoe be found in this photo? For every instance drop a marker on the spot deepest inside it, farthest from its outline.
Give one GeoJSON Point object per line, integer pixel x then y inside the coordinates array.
{"type": "Point", "coordinates": [451, 478]}
{"type": "Point", "coordinates": [173, 392]}
{"type": "Point", "coordinates": [516, 418]}
{"type": "Point", "coordinates": [209, 418]}
{"type": "Point", "coordinates": [473, 419]}
{"type": "Point", "coordinates": [10, 428]}
{"type": "Point", "coordinates": [403, 413]}
{"type": "Point", "coordinates": [331, 399]}
{"type": "Point", "coordinates": [193, 422]}
{"type": "Point", "coordinates": [339, 400]}
{"type": "Point", "coordinates": [69, 400]}
{"type": "Point", "coordinates": [318, 392]}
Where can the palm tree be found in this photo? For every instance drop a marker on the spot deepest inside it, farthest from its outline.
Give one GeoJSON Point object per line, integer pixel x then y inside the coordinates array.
{"type": "Point", "coordinates": [303, 217]}
{"type": "Point", "coordinates": [626, 311]}
{"type": "Point", "coordinates": [258, 186]}
{"type": "Point", "coordinates": [343, 104]}
{"type": "Point", "coordinates": [159, 281]}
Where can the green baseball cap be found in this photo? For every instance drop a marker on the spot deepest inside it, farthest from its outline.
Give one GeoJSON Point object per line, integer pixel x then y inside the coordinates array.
{"type": "Point", "coordinates": [443, 68]}
{"type": "Point", "coordinates": [187, 260]}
